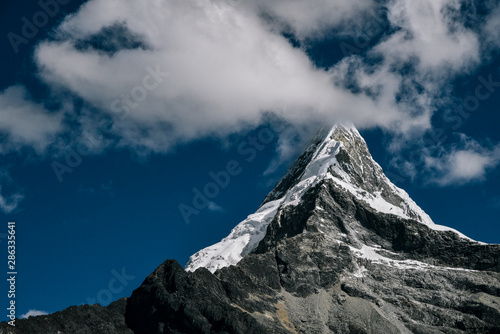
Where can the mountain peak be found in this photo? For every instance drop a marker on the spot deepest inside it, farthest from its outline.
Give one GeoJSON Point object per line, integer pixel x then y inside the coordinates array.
{"type": "Point", "coordinates": [339, 154]}
{"type": "Point", "coordinates": [317, 157]}
{"type": "Point", "coordinates": [332, 250]}
{"type": "Point", "coordinates": [339, 151]}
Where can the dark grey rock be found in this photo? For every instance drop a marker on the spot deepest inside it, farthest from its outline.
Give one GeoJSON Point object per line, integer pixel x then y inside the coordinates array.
{"type": "Point", "coordinates": [83, 319]}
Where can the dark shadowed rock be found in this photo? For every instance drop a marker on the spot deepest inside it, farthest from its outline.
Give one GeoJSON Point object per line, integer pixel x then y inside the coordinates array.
{"type": "Point", "coordinates": [83, 319]}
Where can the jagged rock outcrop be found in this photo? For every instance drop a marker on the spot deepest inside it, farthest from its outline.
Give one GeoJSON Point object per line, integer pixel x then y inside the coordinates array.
{"type": "Point", "coordinates": [334, 248]}
{"type": "Point", "coordinates": [83, 319]}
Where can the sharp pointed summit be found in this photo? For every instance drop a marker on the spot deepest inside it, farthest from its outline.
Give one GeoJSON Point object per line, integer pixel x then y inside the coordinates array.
{"type": "Point", "coordinates": [338, 154]}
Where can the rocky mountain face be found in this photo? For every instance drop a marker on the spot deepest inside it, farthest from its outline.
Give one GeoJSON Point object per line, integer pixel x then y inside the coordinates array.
{"type": "Point", "coordinates": [334, 248]}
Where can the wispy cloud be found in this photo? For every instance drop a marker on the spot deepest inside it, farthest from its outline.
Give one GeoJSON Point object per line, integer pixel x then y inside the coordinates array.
{"type": "Point", "coordinates": [492, 27]}
{"type": "Point", "coordinates": [9, 200]}
{"type": "Point", "coordinates": [314, 18]}
{"type": "Point", "coordinates": [33, 313]}
{"type": "Point", "coordinates": [9, 203]}
{"type": "Point", "coordinates": [214, 207]}
{"type": "Point", "coordinates": [468, 163]}
{"type": "Point", "coordinates": [26, 123]}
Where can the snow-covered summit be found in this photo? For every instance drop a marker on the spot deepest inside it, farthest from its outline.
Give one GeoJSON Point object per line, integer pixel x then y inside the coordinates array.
{"type": "Point", "coordinates": [339, 154]}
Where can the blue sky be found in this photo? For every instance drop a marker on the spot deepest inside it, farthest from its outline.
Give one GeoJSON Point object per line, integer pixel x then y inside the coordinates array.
{"type": "Point", "coordinates": [115, 113]}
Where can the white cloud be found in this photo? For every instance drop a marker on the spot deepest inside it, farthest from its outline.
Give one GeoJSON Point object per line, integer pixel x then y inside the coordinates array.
{"type": "Point", "coordinates": [214, 207]}
{"type": "Point", "coordinates": [463, 165]}
{"type": "Point", "coordinates": [432, 35]}
{"type": "Point", "coordinates": [26, 122]}
{"type": "Point", "coordinates": [220, 68]}
{"type": "Point", "coordinates": [225, 70]}
{"type": "Point", "coordinates": [470, 165]}
{"type": "Point", "coordinates": [33, 313]}
{"type": "Point", "coordinates": [429, 48]}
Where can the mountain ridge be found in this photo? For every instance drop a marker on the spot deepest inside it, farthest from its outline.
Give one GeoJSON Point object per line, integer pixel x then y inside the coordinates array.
{"type": "Point", "coordinates": [334, 248]}
{"type": "Point", "coordinates": [339, 153]}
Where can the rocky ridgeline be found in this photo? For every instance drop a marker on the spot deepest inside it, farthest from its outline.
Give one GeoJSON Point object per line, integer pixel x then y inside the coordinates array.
{"type": "Point", "coordinates": [83, 319]}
